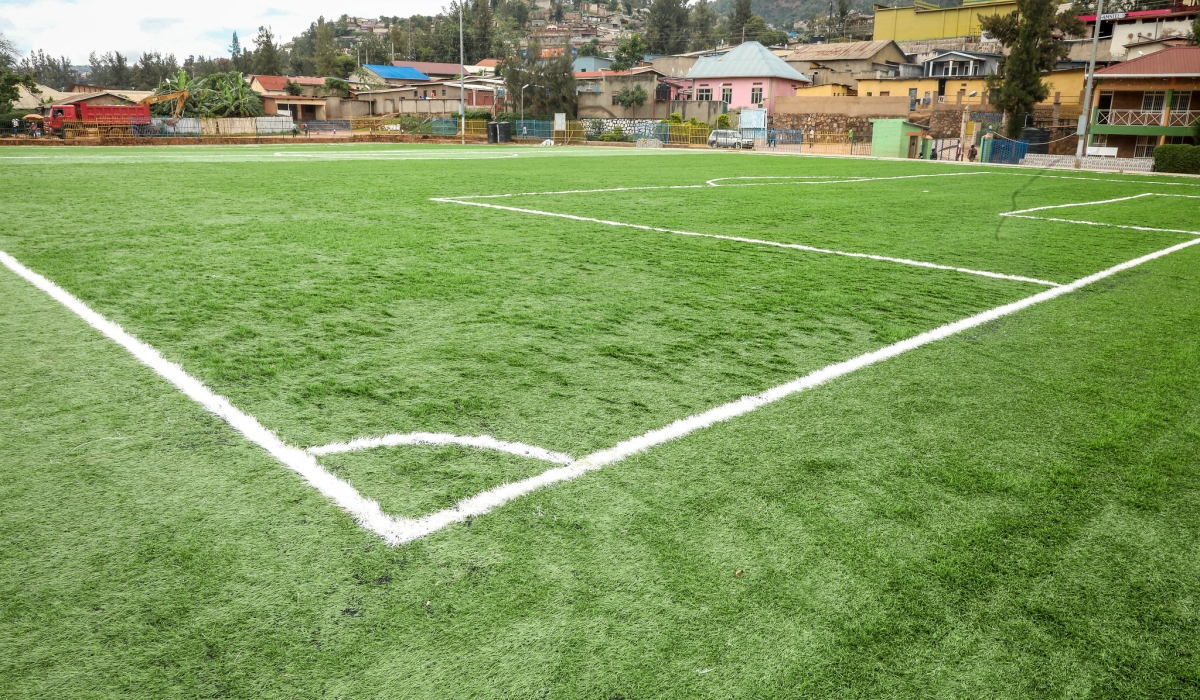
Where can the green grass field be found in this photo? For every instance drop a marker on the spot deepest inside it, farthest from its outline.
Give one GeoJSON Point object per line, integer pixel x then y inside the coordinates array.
{"type": "Point", "coordinates": [1011, 511]}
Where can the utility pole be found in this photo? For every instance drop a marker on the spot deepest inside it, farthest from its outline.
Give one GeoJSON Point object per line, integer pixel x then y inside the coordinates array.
{"type": "Point", "coordinates": [462, 77]}
{"type": "Point", "coordinates": [1085, 118]}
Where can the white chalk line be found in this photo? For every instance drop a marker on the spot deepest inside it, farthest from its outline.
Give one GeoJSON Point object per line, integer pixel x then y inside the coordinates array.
{"type": "Point", "coordinates": [482, 503]}
{"type": "Point", "coordinates": [756, 241]}
{"type": "Point", "coordinates": [1024, 213]}
{"type": "Point", "coordinates": [485, 442]}
{"type": "Point", "coordinates": [401, 530]}
{"type": "Point", "coordinates": [364, 510]}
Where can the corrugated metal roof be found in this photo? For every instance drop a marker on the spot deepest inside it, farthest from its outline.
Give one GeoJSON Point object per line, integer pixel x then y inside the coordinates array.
{"type": "Point", "coordinates": [430, 67]}
{"type": "Point", "coordinates": [279, 82]}
{"type": "Point", "coordinates": [749, 60]}
{"type": "Point", "coordinates": [846, 51]}
{"type": "Point", "coordinates": [396, 72]}
{"type": "Point", "coordinates": [1173, 61]}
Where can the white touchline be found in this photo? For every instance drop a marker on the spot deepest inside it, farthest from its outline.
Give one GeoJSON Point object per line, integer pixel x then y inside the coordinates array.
{"type": "Point", "coordinates": [1101, 223]}
{"type": "Point", "coordinates": [482, 503]}
{"type": "Point", "coordinates": [397, 531]}
{"type": "Point", "coordinates": [485, 442]}
{"type": "Point", "coordinates": [1024, 213]}
{"type": "Point", "coordinates": [755, 241]}
{"type": "Point", "coordinates": [364, 510]}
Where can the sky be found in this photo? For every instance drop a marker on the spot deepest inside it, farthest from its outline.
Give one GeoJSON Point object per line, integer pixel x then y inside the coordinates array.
{"type": "Point", "coordinates": [196, 27]}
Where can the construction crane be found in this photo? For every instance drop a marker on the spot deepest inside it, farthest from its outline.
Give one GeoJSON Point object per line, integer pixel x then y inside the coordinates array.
{"type": "Point", "coordinates": [179, 97]}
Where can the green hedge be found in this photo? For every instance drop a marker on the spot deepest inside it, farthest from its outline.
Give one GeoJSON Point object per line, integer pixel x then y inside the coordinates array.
{"type": "Point", "coordinates": [1177, 158]}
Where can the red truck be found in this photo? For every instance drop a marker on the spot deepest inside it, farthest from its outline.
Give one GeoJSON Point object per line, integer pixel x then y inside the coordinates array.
{"type": "Point", "coordinates": [96, 114]}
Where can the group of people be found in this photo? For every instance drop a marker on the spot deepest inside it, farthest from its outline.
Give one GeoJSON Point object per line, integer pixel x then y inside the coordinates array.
{"type": "Point", "coordinates": [35, 129]}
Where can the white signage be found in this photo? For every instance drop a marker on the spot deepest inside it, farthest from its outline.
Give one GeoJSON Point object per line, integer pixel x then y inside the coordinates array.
{"type": "Point", "coordinates": [560, 121]}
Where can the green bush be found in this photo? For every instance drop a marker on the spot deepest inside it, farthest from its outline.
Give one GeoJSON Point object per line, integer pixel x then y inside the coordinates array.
{"type": "Point", "coordinates": [722, 121]}
{"type": "Point", "coordinates": [1177, 158]}
{"type": "Point", "coordinates": [479, 115]}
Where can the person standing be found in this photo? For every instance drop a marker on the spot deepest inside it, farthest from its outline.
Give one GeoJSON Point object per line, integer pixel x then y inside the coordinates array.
{"type": "Point", "coordinates": [16, 126]}
{"type": "Point", "coordinates": [972, 153]}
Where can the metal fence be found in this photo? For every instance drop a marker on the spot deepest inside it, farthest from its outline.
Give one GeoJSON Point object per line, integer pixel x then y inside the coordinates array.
{"type": "Point", "coordinates": [328, 125]}
{"type": "Point", "coordinates": [166, 127]}
{"type": "Point", "coordinates": [800, 141]}
{"type": "Point", "coordinates": [1001, 150]}
{"type": "Point", "coordinates": [943, 149]}
{"type": "Point", "coordinates": [531, 129]}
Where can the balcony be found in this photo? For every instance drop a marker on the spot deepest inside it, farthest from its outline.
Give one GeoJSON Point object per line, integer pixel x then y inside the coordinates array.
{"type": "Point", "coordinates": [1183, 118]}
{"type": "Point", "coordinates": [1128, 117]}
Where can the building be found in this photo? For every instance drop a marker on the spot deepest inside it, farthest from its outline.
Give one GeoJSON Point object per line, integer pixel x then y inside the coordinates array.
{"type": "Point", "coordinates": [1125, 35]}
{"type": "Point", "coordinates": [950, 64]}
{"type": "Point", "coordinates": [395, 75]}
{"type": "Point", "coordinates": [1146, 102]}
{"type": "Point", "coordinates": [435, 71]}
{"type": "Point", "coordinates": [306, 106]}
{"type": "Point", "coordinates": [748, 76]}
{"type": "Point", "coordinates": [590, 64]}
{"type": "Point", "coordinates": [896, 138]}
{"type": "Point", "coordinates": [106, 97]}
{"type": "Point", "coordinates": [27, 100]}
{"type": "Point", "coordinates": [844, 63]}
{"type": "Point", "coordinates": [926, 21]}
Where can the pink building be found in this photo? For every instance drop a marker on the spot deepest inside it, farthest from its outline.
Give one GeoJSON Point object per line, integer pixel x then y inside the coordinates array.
{"type": "Point", "coordinates": [748, 76]}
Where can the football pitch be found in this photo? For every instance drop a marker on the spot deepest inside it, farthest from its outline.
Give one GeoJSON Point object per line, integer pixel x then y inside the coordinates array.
{"type": "Point", "coordinates": [381, 421]}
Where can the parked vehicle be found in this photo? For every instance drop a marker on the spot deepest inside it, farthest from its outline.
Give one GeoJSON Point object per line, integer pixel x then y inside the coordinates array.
{"type": "Point", "coordinates": [96, 114]}
{"type": "Point", "coordinates": [729, 138]}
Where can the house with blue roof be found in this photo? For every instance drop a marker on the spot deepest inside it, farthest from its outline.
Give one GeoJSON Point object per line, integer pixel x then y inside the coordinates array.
{"type": "Point", "coordinates": [748, 76]}
{"type": "Point", "coordinates": [395, 75]}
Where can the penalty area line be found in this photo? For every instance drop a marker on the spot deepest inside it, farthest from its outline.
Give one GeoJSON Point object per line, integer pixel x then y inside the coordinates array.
{"type": "Point", "coordinates": [484, 442]}
{"type": "Point", "coordinates": [483, 503]}
{"type": "Point", "coordinates": [755, 241]}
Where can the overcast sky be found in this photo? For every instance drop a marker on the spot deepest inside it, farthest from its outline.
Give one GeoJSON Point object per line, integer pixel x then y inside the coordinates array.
{"type": "Point", "coordinates": [190, 27]}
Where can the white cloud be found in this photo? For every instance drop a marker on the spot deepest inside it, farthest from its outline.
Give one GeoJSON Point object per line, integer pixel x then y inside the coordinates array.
{"type": "Point", "coordinates": [75, 29]}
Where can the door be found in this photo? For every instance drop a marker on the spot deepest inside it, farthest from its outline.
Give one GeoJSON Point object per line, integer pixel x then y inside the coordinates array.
{"type": "Point", "coordinates": [1104, 104]}
{"type": "Point", "coordinates": [912, 146]}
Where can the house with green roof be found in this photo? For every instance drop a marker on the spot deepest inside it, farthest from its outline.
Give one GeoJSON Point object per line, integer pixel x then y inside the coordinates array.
{"type": "Point", "coordinates": [748, 76]}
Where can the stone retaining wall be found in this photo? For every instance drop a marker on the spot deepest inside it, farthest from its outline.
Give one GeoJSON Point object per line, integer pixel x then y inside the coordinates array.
{"type": "Point", "coordinates": [826, 123]}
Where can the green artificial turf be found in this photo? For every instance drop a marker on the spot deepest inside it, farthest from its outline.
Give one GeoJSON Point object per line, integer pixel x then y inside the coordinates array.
{"type": "Point", "coordinates": [1011, 512]}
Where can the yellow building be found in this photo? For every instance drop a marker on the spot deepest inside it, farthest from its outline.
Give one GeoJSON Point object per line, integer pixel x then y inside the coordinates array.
{"type": "Point", "coordinates": [924, 20]}
{"type": "Point", "coordinates": [827, 90]}
{"type": "Point", "coordinates": [924, 88]}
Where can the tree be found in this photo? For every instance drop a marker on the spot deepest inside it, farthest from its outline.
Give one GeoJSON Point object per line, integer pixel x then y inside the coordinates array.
{"type": "Point", "coordinates": [592, 48]}
{"type": "Point", "coordinates": [240, 57]}
{"type": "Point", "coordinates": [9, 93]}
{"type": "Point", "coordinates": [629, 53]}
{"type": "Point", "coordinates": [1029, 33]}
{"type": "Point", "coordinates": [57, 73]}
{"type": "Point", "coordinates": [8, 53]}
{"type": "Point", "coordinates": [324, 49]}
{"type": "Point", "coordinates": [1196, 37]}
{"type": "Point", "coordinates": [217, 95]}
{"type": "Point", "coordinates": [628, 98]}
{"type": "Point", "coordinates": [667, 27]}
{"type": "Point", "coordinates": [558, 12]}
{"type": "Point", "coordinates": [110, 70]}
{"type": "Point", "coordinates": [551, 78]}
{"type": "Point", "coordinates": [266, 55]}
{"type": "Point", "coordinates": [737, 20]}
{"type": "Point", "coordinates": [843, 15]}
{"type": "Point", "coordinates": [757, 30]}
{"type": "Point", "coordinates": [152, 69]}
{"type": "Point", "coordinates": [481, 42]}
{"type": "Point", "coordinates": [703, 23]}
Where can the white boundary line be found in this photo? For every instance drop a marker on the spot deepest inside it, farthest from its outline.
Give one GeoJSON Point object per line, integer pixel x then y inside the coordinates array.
{"type": "Point", "coordinates": [755, 241]}
{"type": "Point", "coordinates": [397, 531]}
{"type": "Point", "coordinates": [485, 442]}
{"type": "Point", "coordinates": [493, 498]}
{"type": "Point", "coordinates": [366, 511]}
{"type": "Point", "coordinates": [1024, 213]}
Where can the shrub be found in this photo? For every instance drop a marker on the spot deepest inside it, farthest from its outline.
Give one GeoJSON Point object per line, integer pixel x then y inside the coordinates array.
{"type": "Point", "coordinates": [478, 115]}
{"type": "Point", "coordinates": [722, 121]}
{"type": "Point", "coordinates": [676, 118]}
{"type": "Point", "coordinates": [1177, 158]}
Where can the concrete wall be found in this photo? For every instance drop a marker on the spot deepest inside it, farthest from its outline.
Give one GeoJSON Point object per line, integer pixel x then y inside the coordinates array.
{"type": "Point", "coordinates": [849, 106]}
{"type": "Point", "coordinates": [598, 105]}
{"type": "Point", "coordinates": [344, 108]}
{"type": "Point", "coordinates": [674, 66]}
{"type": "Point", "coordinates": [916, 24]}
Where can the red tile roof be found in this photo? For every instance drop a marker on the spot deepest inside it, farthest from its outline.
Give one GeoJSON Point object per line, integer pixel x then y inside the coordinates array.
{"type": "Point", "coordinates": [279, 82]}
{"type": "Point", "coordinates": [488, 63]}
{"type": "Point", "coordinates": [593, 74]}
{"type": "Point", "coordinates": [1176, 61]}
{"type": "Point", "coordinates": [429, 68]}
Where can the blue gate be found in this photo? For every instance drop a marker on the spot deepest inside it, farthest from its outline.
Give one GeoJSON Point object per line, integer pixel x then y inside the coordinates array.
{"type": "Point", "coordinates": [1001, 150]}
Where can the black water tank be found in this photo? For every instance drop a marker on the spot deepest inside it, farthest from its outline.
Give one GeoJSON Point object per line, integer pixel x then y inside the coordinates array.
{"type": "Point", "coordinates": [493, 132]}
{"type": "Point", "coordinates": [504, 132]}
{"type": "Point", "coordinates": [1038, 139]}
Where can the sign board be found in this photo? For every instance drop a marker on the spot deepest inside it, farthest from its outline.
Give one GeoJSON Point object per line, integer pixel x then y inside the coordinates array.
{"type": "Point", "coordinates": [1111, 16]}
{"type": "Point", "coordinates": [560, 121]}
{"type": "Point", "coordinates": [753, 119]}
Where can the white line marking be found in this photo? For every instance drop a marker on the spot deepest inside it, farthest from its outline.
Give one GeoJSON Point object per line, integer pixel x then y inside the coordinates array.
{"type": "Point", "coordinates": [482, 503]}
{"type": "Point", "coordinates": [1101, 223]}
{"type": "Point", "coordinates": [486, 442]}
{"type": "Point", "coordinates": [803, 180]}
{"type": "Point", "coordinates": [1079, 204]}
{"type": "Point", "coordinates": [756, 241]}
{"type": "Point", "coordinates": [1024, 213]}
{"type": "Point", "coordinates": [364, 510]}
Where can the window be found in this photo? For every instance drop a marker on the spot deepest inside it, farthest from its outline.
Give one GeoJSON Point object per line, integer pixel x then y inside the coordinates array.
{"type": "Point", "coordinates": [868, 93]}
{"type": "Point", "coordinates": [1181, 102]}
{"type": "Point", "coordinates": [1152, 102]}
{"type": "Point", "coordinates": [443, 92]}
{"type": "Point", "coordinates": [704, 94]}
{"type": "Point", "coordinates": [1100, 140]}
{"type": "Point", "coordinates": [885, 93]}
{"type": "Point", "coordinates": [756, 95]}
{"type": "Point", "coordinates": [1145, 147]}
{"type": "Point", "coordinates": [727, 94]}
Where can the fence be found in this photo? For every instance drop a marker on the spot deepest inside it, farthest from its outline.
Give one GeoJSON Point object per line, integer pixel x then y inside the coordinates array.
{"type": "Point", "coordinates": [183, 127]}
{"type": "Point", "coordinates": [329, 125]}
{"type": "Point", "coordinates": [530, 129]}
{"type": "Point", "coordinates": [800, 141]}
{"type": "Point", "coordinates": [943, 149]}
{"type": "Point", "coordinates": [1001, 150]}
